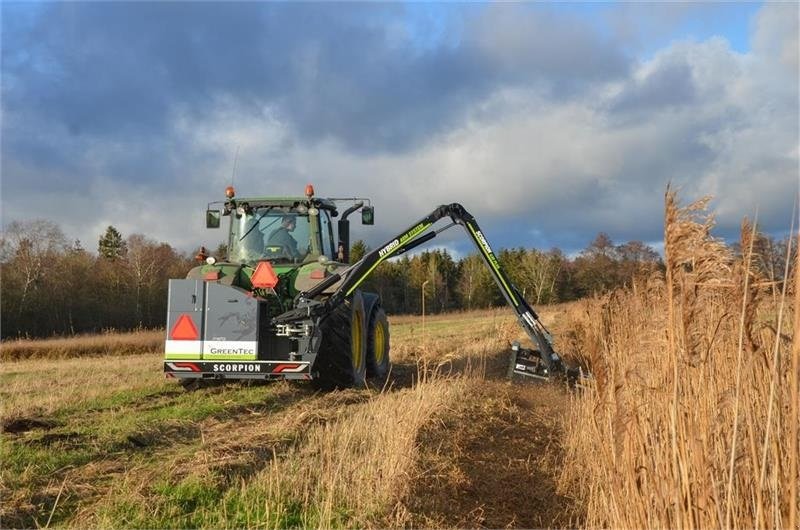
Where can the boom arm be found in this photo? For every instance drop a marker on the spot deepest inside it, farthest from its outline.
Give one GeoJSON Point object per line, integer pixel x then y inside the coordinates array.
{"type": "Point", "coordinates": [414, 236]}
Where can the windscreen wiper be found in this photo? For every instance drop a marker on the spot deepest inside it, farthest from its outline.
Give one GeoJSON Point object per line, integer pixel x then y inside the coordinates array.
{"type": "Point", "coordinates": [256, 223]}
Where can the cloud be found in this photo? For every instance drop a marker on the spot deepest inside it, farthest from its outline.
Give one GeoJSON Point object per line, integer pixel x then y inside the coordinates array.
{"type": "Point", "coordinates": [130, 114]}
{"type": "Point", "coordinates": [119, 70]}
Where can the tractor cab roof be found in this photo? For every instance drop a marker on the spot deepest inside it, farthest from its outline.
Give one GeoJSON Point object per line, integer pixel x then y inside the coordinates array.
{"type": "Point", "coordinates": [255, 202]}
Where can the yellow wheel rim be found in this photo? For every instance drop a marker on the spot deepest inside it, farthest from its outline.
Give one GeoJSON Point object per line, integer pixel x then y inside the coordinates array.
{"type": "Point", "coordinates": [357, 336]}
{"type": "Point", "coordinates": [379, 342]}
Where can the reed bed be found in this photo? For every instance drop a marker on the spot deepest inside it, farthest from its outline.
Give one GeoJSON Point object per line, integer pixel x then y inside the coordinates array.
{"type": "Point", "coordinates": [691, 421]}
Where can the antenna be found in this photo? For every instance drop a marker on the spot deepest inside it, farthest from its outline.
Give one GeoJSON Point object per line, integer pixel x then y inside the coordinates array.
{"type": "Point", "coordinates": [235, 163]}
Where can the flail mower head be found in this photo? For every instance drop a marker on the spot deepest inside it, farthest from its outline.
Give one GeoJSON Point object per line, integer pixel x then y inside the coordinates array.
{"type": "Point", "coordinates": [529, 365]}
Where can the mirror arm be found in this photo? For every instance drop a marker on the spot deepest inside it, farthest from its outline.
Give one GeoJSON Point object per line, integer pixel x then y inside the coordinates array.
{"type": "Point", "coordinates": [352, 209]}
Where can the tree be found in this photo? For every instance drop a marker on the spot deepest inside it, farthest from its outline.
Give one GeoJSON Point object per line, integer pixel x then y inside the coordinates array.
{"type": "Point", "coordinates": [29, 251]}
{"type": "Point", "coordinates": [222, 251]}
{"type": "Point", "coordinates": [541, 271]}
{"type": "Point", "coordinates": [475, 285]}
{"type": "Point", "coordinates": [636, 259]}
{"type": "Point", "coordinates": [358, 250]}
{"type": "Point", "coordinates": [111, 245]}
{"type": "Point", "coordinates": [596, 269]}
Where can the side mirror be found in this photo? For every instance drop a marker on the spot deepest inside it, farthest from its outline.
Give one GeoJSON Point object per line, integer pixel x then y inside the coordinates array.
{"type": "Point", "coordinates": [368, 215]}
{"type": "Point", "coordinates": [212, 218]}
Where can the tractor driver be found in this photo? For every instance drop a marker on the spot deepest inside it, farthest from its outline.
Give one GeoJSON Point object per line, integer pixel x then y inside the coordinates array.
{"type": "Point", "coordinates": [282, 237]}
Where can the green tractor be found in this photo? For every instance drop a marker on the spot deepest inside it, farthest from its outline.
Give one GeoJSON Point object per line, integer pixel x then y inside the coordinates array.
{"type": "Point", "coordinates": [286, 304]}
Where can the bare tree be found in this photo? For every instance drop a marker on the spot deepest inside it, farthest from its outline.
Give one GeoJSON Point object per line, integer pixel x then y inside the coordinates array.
{"type": "Point", "coordinates": [28, 244]}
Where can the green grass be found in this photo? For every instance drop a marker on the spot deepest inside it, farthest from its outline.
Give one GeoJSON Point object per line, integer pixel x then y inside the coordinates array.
{"type": "Point", "coordinates": [196, 502]}
{"type": "Point", "coordinates": [132, 423]}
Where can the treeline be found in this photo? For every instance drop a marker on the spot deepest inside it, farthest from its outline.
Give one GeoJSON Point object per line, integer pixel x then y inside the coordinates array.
{"type": "Point", "coordinates": [543, 277]}
{"type": "Point", "coordinates": [53, 286]}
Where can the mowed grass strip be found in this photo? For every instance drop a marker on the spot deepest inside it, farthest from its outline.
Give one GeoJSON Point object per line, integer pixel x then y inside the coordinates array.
{"type": "Point", "coordinates": [127, 426]}
{"type": "Point", "coordinates": [353, 464]}
{"type": "Point", "coordinates": [349, 468]}
{"type": "Point", "coordinates": [118, 445]}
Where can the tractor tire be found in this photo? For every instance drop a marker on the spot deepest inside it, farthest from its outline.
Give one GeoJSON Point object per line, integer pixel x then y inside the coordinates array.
{"type": "Point", "coordinates": [342, 357]}
{"type": "Point", "coordinates": [378, 345]}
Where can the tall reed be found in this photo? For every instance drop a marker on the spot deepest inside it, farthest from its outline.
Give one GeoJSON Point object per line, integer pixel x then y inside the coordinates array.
{"type": "Point", "coordinates": [691, 418]}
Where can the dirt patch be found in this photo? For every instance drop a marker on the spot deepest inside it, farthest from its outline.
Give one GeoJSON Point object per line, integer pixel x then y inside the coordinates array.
{"type": "Point", "coordinates": [19, 425]}
{"type": "Point", "coordinates": [495, 463]}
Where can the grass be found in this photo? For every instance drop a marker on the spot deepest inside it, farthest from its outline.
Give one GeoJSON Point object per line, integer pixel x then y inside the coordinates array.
{"type": "Point", "coordinates": [688, 423]}
{"type": "Point", "coordinates": [340, 473]}
{"type": "Point", "coordinates": [35, 387]}
{"type": "Point", "coordinates": [108, 442]}
{"type": "Point", "coordinates": [126, 425]}
{"type": "Point", "coordinates": [106, 344]}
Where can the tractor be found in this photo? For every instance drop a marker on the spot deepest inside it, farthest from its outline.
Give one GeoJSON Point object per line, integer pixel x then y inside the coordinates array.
{"type": "Point", "coordinates": [285, 303]}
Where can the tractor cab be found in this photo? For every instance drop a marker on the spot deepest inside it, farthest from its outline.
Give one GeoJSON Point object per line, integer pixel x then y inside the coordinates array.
{"type": "Point", "coordinates": [281, 233]}
{"type": "Point", "coordinates": [284, 231]}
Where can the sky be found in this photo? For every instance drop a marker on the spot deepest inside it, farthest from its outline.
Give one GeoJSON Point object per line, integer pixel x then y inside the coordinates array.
{"type": "Point", "coordinates": [549, 122]}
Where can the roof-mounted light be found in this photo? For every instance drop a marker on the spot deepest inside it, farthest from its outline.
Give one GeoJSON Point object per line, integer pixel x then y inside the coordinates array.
{"type": "Point", "coordinates": [229, 192]}
{"type": "Point", "coordinates": [309, 190]}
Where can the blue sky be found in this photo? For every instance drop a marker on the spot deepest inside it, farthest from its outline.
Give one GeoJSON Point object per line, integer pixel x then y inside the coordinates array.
{"type": "Point", "coordinates": [550, 122]}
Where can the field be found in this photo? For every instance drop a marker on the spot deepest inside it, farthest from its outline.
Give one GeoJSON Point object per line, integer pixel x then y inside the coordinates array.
{"type": "Point", "coordinates": [107, 441]}
{"type": "Point", "coordinates": [691, 420]}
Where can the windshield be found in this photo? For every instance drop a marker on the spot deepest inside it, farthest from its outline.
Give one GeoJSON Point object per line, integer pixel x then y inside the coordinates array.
{"type": "Point", "coordinates": [281, 235]}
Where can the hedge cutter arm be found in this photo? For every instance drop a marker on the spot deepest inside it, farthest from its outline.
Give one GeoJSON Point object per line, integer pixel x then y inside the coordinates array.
{"type": "Point", "coordinates": [538, 363]}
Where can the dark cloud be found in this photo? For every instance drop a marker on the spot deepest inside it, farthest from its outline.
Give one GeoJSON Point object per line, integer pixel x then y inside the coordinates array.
{"type": "Point", "coordinates": [121, 69]}
{"type": "Point", "coordinates": [671, 85]}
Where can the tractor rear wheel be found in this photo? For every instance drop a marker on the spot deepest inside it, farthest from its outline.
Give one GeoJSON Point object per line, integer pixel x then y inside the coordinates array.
{"type": "Point", "coordinates": [341, 360]}
{"type": "Point", "coordinates": [378, 344]}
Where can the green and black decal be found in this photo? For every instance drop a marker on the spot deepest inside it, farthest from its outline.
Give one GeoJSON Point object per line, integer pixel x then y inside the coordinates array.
{"type": "Point", "coordinates": [395, 246]}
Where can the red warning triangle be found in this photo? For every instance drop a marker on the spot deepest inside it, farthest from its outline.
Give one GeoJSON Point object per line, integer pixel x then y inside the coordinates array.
{"type": "Point", "coordinates": [264, 276]}
{"type": "Point", "coordinates": [184, 329]}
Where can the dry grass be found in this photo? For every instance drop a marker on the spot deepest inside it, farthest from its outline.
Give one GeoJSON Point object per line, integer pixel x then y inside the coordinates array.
{"type": "Point", "coordinates": [111, 343]}
{"type": "Point", "coordinates": [341, 459]}
{"type": "Point", "coordinates": [40, 387]}
{"type": "Point", "coordinates": [688, 424]}
{"type": "Point", "coordinates": [119, 446]}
